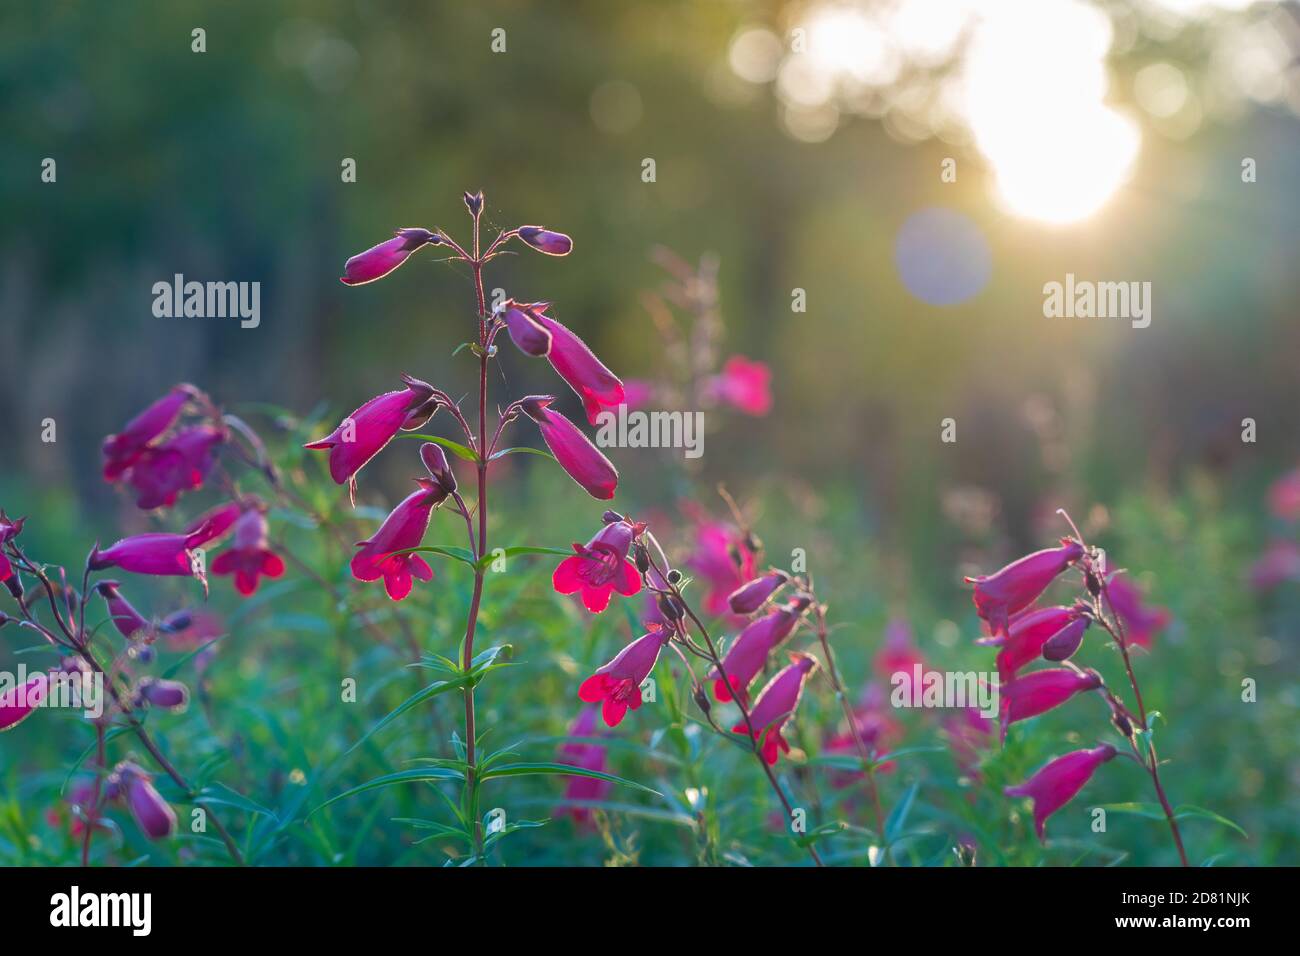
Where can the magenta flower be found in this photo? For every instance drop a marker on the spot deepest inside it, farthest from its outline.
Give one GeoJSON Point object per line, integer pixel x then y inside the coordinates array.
{"type": "Point", "coordinates": [215, 523]}
{"type": "Point", "coordinates": [528, 334]}
{"type": "Point", "coordinates": [998, 596]}
{"type": "Point", "coordinates": [250, 557]}
{"type": "Point", "coordinates": [1284, 496]}
{"type": "Point", "coordinates": [17, 704]}
{"type": "Point", "coordinates": [1280, 562]}
{"type": "Point", "coordinates": [585, 756]}
{"type": "Point", "coordinates": [1026, 634]}
{"type": "Point", "coordinates": [573, 361]}
{"type": "Point", "coordinates": [748, 653]}
{"type": "Point", "coordinates": [126, 618]}
{"type": "Point", "coordinates": [1039, 691]}
{"type": "Point", "coordinates": [1059, 780]}
{"type": "Point", "coordinates": [617, 685]}
{"type": "Point", "coordinates": [122, 450]}
{"type": "Point", "coordinates": [724, 561]}
{"type": "Point", "coordinates": [1062, 645]}
{"type": "Point", "coordinates": [572, 449]}
{"type": "Point", "coordinates": [1141, 622]}
{"type": "Point", "coordinates": [151, 812]}
{"type": "Point", "coordinates": [8, 531]}
{"type": "Point", "coordinates": [182, 463]}
{"type": "Point", "coordinates": [365, 432]}
{"type": "Point", "coordinates": [748, 598]}
{"type": "Point", "coordinates": [776, 704]}
{"type": "Point", "coordinates": [153, 553]}
{"type": "Point", "coordinates": [377, 261]}
{"type": "Point", "coordinates": [600, 567]}
{"type": "Point", "coordinates": [167, 694]}
{"type": "Point", "coordinates": [544, 240]}
{"type": "Point", "coordinates": [899, 654]}
{"type": "Point", "coordinates": [403, 528]}
{"type": "Point", "coordinates": [744, 385]}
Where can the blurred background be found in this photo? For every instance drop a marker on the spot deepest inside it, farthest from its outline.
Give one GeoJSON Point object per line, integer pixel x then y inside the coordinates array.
{"type": "Point", "coordinates": [912, 172]}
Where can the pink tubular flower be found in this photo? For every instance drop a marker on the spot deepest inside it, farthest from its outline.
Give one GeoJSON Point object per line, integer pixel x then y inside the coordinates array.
{"type": "Point", "coordinates": [8, 531]}
{"type": "Point", "coordinates": [1025, 636]}
{"type": "Point", "coordinates": [744, 385]}
{"type": "Point", "coordinates": [1039, 691]}
{"type": "Point", "coordinates": [600, 567]}
{"type": "Point", "coordinates": [573, 361]}
{"type": "Point", "coordinates": [17, 704]}
{"type": "Point", "coordinates": [154, 553]}
{"type": "Point", "coordinates": [126, 618]}
{"type": "Point", "coordinates": [1279, 563]}
{"type": "Point", "coordinates": [617, 685]}
{"type": "Point", "coordinates": [366, 431]}
{"type": "Point", "coordinates": [151, 812]}
{"type": "Point", "coordinates": [572, 449]}
{"type": "Point", "coordinates": [215, 523]}
{"type": "Point", "coordinates": [585, 756]}
{"type": "Point", "coordinates": [776, 704]}
{"type": "Point", "coordinates": [250, 557]}
{"type": "Point", "coordinates": [377, 261]}
{"type": "Point", "coordinates": [1141, 622]}
{"type": "Point", "coordinates": [748, 653]}
{"type": "Point", "coordinates": [748, 598]}
{"type": "Point", "coordinates": [724, 560]}
{"type": "Point", "coordinates": [544, 240]}
{"type": "Point", "coordinates": [998, 596]}
{"type": "Point", "coordinates": [121, 450]}
{"type": "Point", "coordinates": [1059, 780]}
{"type": "Point", "coordinates": [403, 528]}
{"type": "Point", "coordinates": [528, 334]}
{"type": "Point", "coordinates": [1284, 496]}
{"type": "Point", "coordinates": [162, 472]}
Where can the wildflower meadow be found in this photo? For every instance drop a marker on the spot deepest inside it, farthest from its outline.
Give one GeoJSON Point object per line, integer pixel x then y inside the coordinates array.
{"type": "Point", "coordinates": [839, 479]}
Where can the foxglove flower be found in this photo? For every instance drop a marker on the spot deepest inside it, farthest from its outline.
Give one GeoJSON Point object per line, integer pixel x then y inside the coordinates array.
{"type": "Point", "coordinates": [182, 463]}
{"type": "Point", "coordinates": [724, 560]}
{"type": "Point", "coordinates": [151, 812]}
{"type": "Point", "coordinates": [250, 556]}
{"type": "Point", "coordinates": [167, 694]}
{"type": "Point", "coordinates": [8, 531]}
{"type": "Point", "coordinates": [744, 385]}
{"type": "Point", "coordinates": [377, 261]}
{"type": "Point", "coordinates": [122, 450]}
{"type": "Point", "coordinates": [1141, 622]}
{"type": "Point", "coordinates": [366, 431]}
{"type": "Point", "coordinates": [1025, 636]}
{"type": "Point", "coordinates": [1059, 780]}
{"type": "Point", "coordinates": [153, 553]}
{"type": "Point", "coordinates": [573, 361]}
{"type": "Point", "coordinates": [403, 528]}
{"type": "Point", "coordinates": [600, 567]}
{"type": "Point", "coordinates": [528, 334]}
{"type": "Point", "coordinates": [748, 653]}
{"type": "Point", "coordinates": [616, 686]}
{"type": "Point", "coordinates": [572, 449]}
{"type": "Point", "coordinates": [17, 703]}
{"type": "Point", "coordinates": [776, 704]}
{"type": "Point", "coordinates": [544, 240]}
{"type": "Point", "coordinates": [585, 756]}
{"type": "Point", "coordinates": [1015, 587]}
{"type": "Point", "coordinates": [1039, 691]}
{"type": "Point", "coordinates": [748, 598]}
{"type": "Point", "coordinates": [126, 618]}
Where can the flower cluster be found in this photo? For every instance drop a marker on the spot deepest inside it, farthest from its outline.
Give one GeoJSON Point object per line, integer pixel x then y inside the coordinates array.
{"type": "Point", "coordinates": [1023, 633]}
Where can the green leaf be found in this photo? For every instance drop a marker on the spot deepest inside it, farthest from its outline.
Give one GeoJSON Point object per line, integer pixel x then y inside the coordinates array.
{"type": "Point", "coordinates": [419, 697]}
{"type": "Point", "coordinates": [221, 795]}
{"type": "Point", "coordinates": [430, 774]}
{"type": "Point", "coordinates": [457, 449]}
{"type": "Point", "coordinates": [522, 450]}
{"type": "Point", "coordinates": [1151, 811]}
{"type": "Point", "coordinates": [463, 555]}
{"type": "Point", "coordinates": [898, 816]}
{"type": "Point", "coordinates": [560, 769]}
{"type": "Point", "coordinates": [511, 552]}
{"type": "Point", "coordinates": [1187, 810]}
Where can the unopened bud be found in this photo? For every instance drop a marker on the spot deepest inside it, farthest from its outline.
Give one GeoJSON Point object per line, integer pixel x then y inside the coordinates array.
{"type": "Point", "coordinates": [701, 699]}
{"type": "Point", "coordinates": [642, 558]}
{"type": "Point", "coordinates": [669, 607]}
{"type": "Point", "coordinates": [609, 517]}
{"type": "Point", "coordinates": [674, 577]}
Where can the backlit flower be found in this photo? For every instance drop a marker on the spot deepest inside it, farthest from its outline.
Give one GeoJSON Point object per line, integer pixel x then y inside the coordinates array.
{"type": "Point", "coordinates": [749, 651]}
{"type": "Point", "coordinates": [616, 686]}
{"type": "Point", "coordinates": [250, 556]}
{"type": "Point", "coordinates": [748, 598]}
{"type": "Point", "coordinates": [600, 567]}
{"type": "Point", "coordinates": [122, 450]}
{"type": "Point", "coordinates": [998, 596]}
{"type": "Point", "coordinates": [1039, 691]}
{"type": "Point", "coordinates": [545, 240]}
{"type": "Point", "coordinates": [776, 704]}
{"type": "Point", "coordinates": [403, 528]}
{"type": "Point", "coordinates": [744, 385]}
{"type": "Point", "coordinates": [1059, 780]}
{"type": "Point", "coordinates": [572, 449]}
{"type": "Point", "coordinates": [378, 261]}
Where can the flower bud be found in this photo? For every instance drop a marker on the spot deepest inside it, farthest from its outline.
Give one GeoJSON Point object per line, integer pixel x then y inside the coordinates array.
{"type": "Point", "coordinates": [474, 202]}
{"type": "Point", "coordinates": [610, 516]}
{"type": "Point", "coordinates": [701, 699]}
{"type": "Point", "coordinates": [546, 241]}
{"type": "Point", "coordinates": [435, 460]}
{"type": "Point", "coordinates": [529, 335]}
{"type": "Point", "coordinates": [674, 577]}
{"type": "Point", "coordinates": [670, 607]}
{"type": "Point", "coordinates": [642, 555]}
{"type": "Point", "coordinates": [1062, 645]}
{"type": "Point", "coordinates": [168, 694]}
